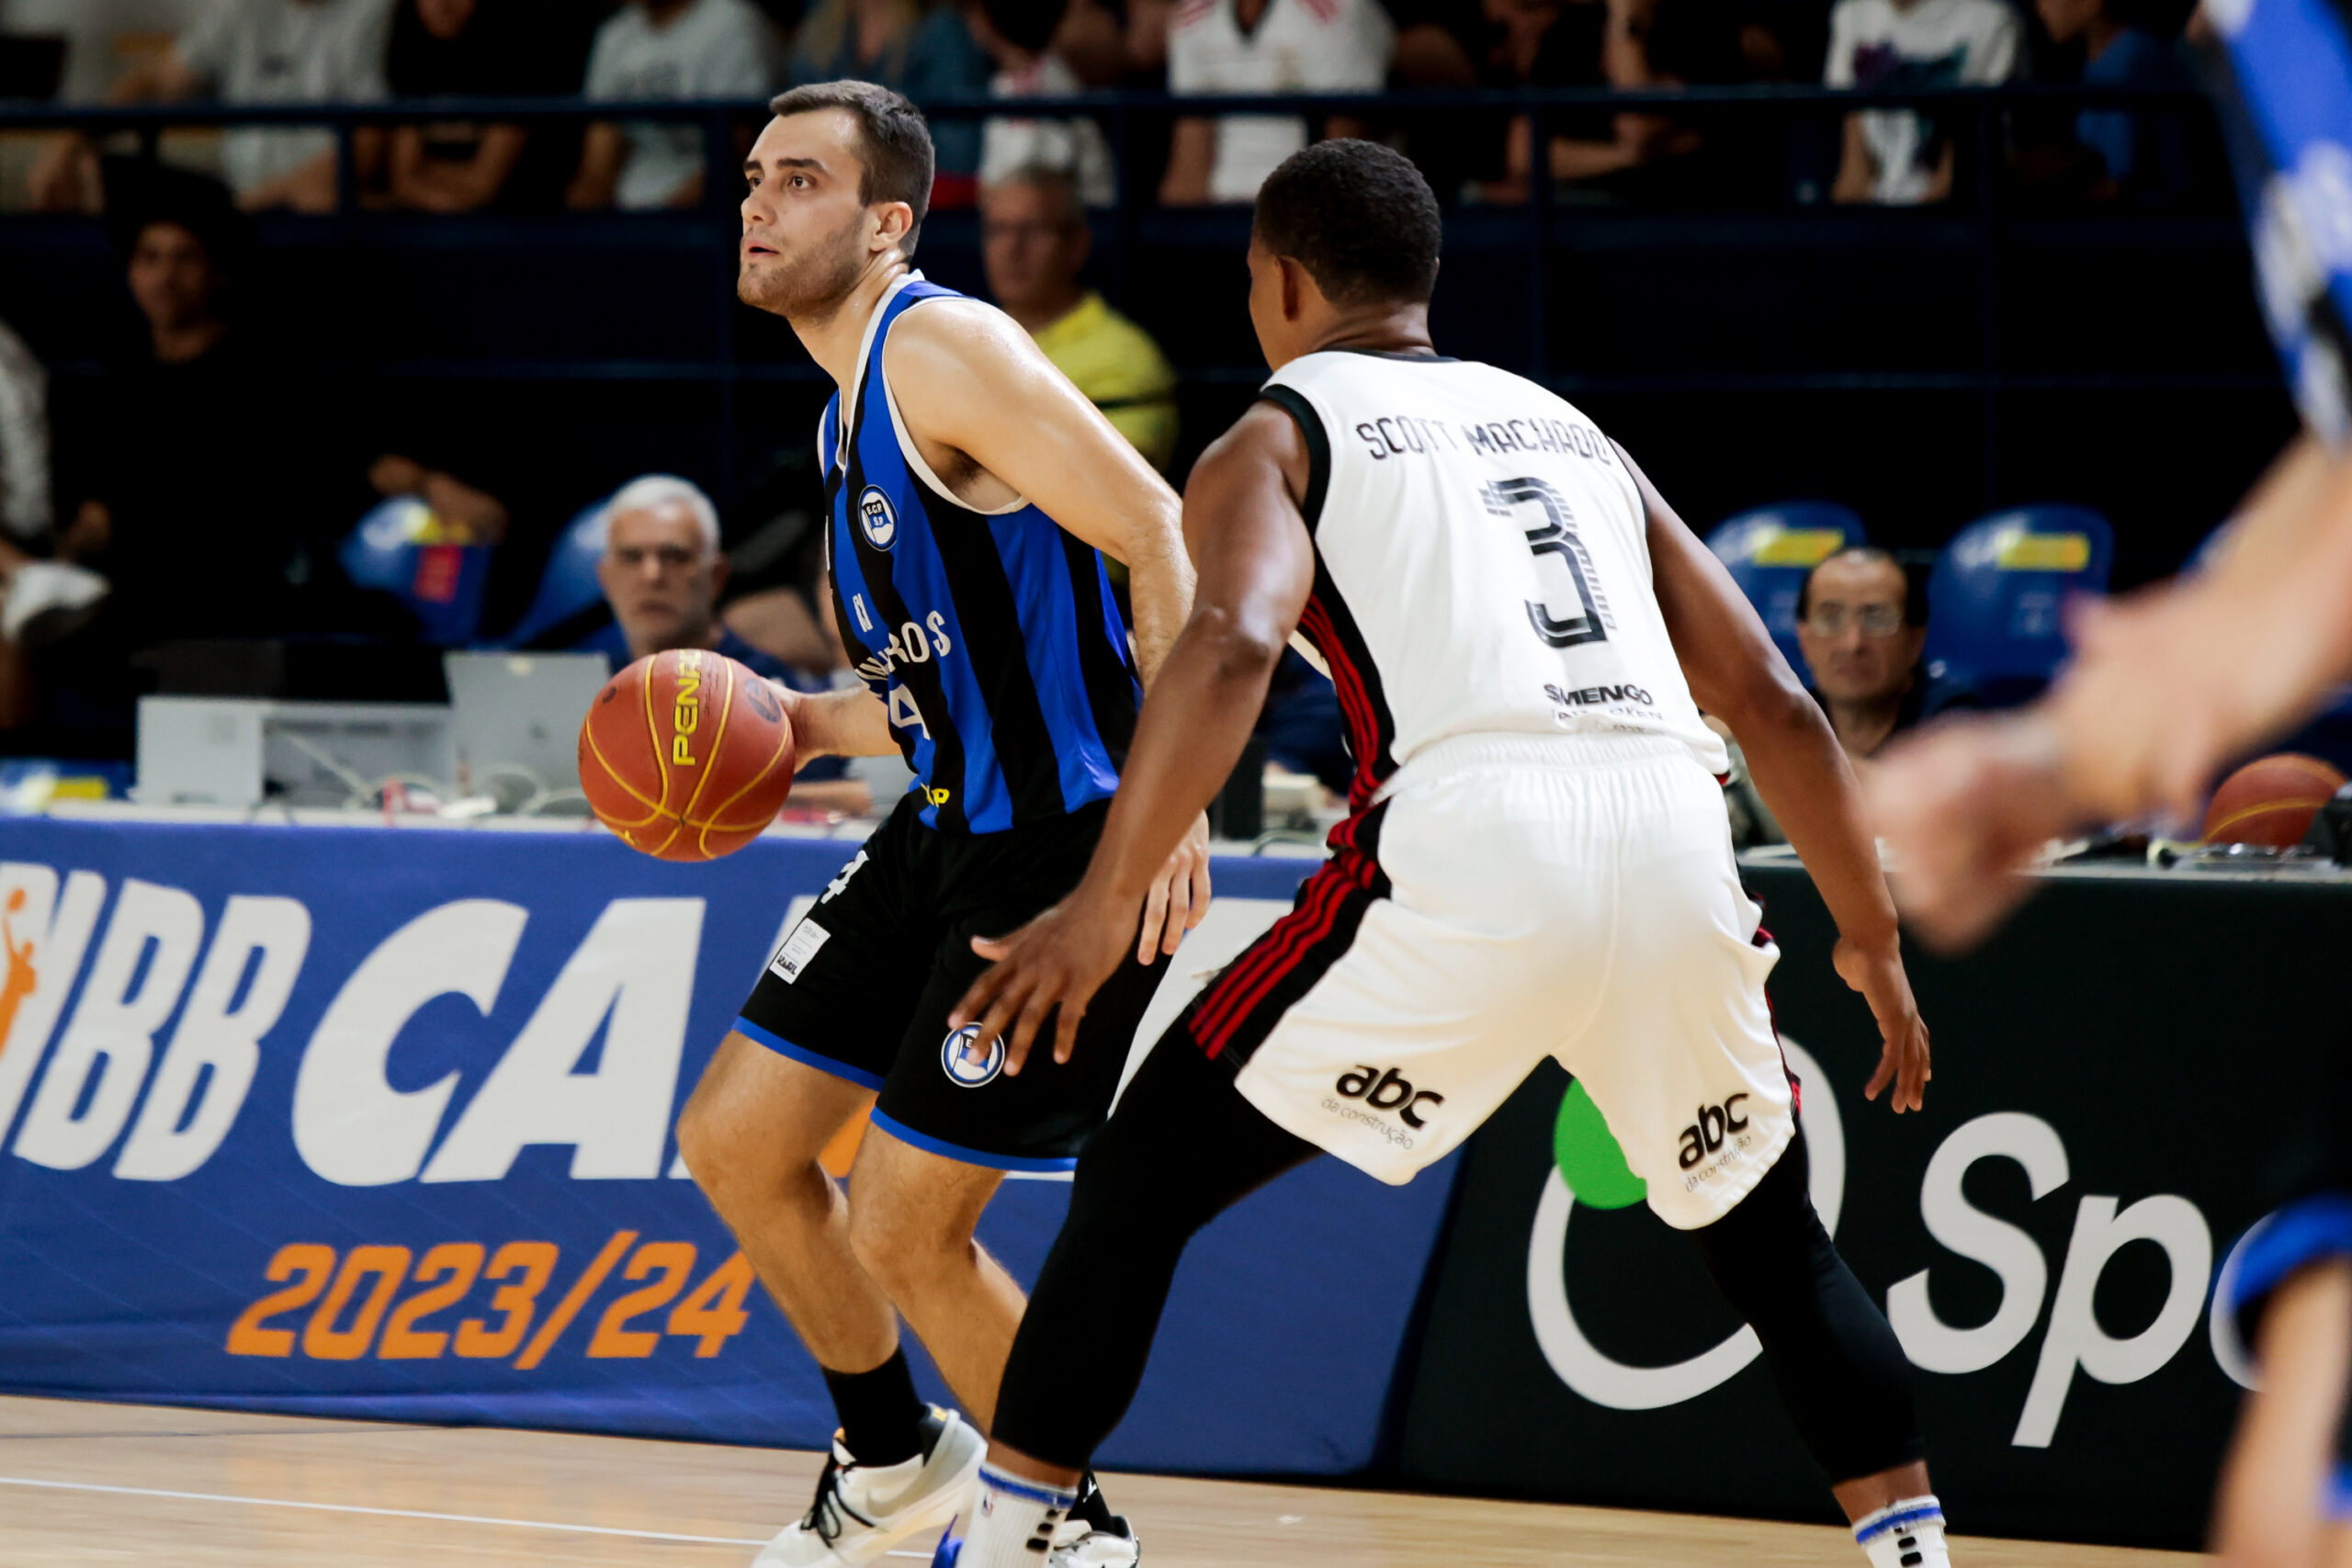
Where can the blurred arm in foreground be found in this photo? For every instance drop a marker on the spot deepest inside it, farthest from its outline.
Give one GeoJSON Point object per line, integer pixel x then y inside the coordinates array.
{"type": "Point", "coordinates": [2167, 685]}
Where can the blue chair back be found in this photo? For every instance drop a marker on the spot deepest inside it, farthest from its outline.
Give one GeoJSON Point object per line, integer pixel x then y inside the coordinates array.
{"type": "Point", "coordinates": [1770, 551]}
{"type": "Point", "coordinates": [569, 585]}
{"type": "Point", "coordinates": [403, 549]}
{"type": "Point", "coordinates": [1995, 599]}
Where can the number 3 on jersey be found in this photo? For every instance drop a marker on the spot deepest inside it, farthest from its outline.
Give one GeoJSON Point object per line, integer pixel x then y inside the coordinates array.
{"type": "Point", "coordinates": [1588, 621]}
{"type": "Point", "coordinates": [904, 715]}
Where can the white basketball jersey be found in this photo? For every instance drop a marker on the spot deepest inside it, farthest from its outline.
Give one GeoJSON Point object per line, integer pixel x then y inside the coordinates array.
{"type": "Point", "coordinates": [1482, 563]}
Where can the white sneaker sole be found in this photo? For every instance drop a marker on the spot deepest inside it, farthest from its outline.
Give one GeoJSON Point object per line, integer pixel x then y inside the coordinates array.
{"type": "Point", "coordinates": [935, 1512]}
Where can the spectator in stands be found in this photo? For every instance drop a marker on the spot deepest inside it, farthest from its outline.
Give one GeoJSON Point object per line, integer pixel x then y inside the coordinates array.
{"type": "Point", "coordinates": [2117, 155]}
{"type": "Point", "coordinates": [1898, 156]}
{"type": "Point", "coordinates": [1263, 46]}
{"type": "Point", "coordinates": [1018, 35]}
{"type": "Point", "coordinates": [1033, 243]}
{"type": "Point", "coordinates": [1507, 44]}
{"type": "Point", "coordinates": [662, 572]}
{"type": "Point", "coordinates": [680, 50]}
{"type": "Point", "coordinates": [95, 41]}
{"type": "Point", "coordinates": [1861, 622]}
{"type": "Point", "coordinates": [481, 49]}
{"type": "Point", "coordinates": [24, 444]}
{"type": "Point", "coordinates": [257, 51]}
{"type": "Point", "coordinates": [192, 422]}
{"type": "Point", "coordinates": [923, 53]}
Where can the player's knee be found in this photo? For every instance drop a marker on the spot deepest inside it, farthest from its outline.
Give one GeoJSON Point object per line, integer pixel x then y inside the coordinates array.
{"type": "Point", "coordinates": [738, 1169]}
{"type": "Point", "coordinates": [901, 1244]}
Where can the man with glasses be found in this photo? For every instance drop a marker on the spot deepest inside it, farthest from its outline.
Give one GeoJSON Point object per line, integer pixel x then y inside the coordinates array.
{"type": "Point", "coordinates": [1861, 625]}
{"type": "Point", "coordinates": [1034, 244]}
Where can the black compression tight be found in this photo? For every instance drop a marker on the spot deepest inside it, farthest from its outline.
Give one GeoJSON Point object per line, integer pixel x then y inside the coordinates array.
{"type": "Point", "coordinates": [1841, 1373]}
{"type": "Point", "coordinates": [1183, 1148]}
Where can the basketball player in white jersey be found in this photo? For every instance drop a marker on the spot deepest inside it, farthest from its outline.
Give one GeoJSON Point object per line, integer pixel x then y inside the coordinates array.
{"type": "Point", "coordinates": [1538, 863]}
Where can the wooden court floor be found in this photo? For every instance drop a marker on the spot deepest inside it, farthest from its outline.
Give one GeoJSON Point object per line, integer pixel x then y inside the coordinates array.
{"type": "Point", "coordinates": [109, 1484]}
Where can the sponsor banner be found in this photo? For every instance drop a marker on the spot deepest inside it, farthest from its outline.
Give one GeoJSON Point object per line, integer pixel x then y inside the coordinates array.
{"type": "Point", "coordinates": [2117, 1074]}
{"type": "Point", "coordinates": [376, 1123]}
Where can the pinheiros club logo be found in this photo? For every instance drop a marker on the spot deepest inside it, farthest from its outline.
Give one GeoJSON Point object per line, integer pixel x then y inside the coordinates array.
{"type": "Point", "coordinates": [877, 518]}
{"type": "Point", "coordinates": [967, 1062]}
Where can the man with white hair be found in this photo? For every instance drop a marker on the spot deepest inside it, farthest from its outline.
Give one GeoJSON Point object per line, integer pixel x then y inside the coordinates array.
{"type": "Point", "coordinates": [662, 572]}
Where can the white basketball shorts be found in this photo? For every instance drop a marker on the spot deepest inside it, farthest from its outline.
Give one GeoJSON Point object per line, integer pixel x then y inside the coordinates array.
{"type": "Point", "coordinates": [1514, 899]}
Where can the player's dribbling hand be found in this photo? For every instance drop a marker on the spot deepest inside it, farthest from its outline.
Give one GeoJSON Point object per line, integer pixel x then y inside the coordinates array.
{"type": "Point", "coordinates": [1179, 897]}
{"type": "Point", "coordinates": [1056, 960]}
{"type": "Point", "coordinates": [1903, 1062]}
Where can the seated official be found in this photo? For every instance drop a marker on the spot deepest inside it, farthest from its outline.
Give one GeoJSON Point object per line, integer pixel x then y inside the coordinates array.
{"type": "Point", "coordinates": [662, 572]}
{"type": "Point", "coordinates": [1861, 622]}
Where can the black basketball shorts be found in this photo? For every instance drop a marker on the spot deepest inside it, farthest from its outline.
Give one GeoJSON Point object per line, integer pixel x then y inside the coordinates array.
{"type": "Point", "coordinates": [862, 986]}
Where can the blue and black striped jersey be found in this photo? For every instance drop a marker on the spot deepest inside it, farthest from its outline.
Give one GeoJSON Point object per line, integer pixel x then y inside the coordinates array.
{"type": "Point", "coordinates": [992, 638]}
{"type": "Point", "coordinates": [2286, 112]}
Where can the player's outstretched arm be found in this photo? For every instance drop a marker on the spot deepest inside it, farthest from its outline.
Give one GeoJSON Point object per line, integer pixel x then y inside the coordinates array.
{"type": "Point", "coordinates": [1737, 674]}
{"type": "Point", "coordinates": [1257, 568]}
{"type": "Point", "coordinates": [2165, 687]}
{"type": "Point", "coordinates": [967, 377]}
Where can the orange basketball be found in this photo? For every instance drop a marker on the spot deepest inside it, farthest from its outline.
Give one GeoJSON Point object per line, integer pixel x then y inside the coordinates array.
{"type": "Point", "coordinates": [2270, 801]}
{"type": "Point", "coordinates": [686, 755]}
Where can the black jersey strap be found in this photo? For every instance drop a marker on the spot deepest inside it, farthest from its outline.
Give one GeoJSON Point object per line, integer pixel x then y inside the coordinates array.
{"type": "Point", "coordinates": [1318, 447]}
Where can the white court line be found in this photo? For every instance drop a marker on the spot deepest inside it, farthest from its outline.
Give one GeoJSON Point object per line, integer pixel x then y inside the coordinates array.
{"type": "Point", "coordinates": [392, 1513]}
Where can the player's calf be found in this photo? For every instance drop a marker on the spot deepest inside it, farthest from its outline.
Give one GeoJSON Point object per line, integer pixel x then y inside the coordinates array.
{"type": "Point", "coordinates": [1841, 1371]}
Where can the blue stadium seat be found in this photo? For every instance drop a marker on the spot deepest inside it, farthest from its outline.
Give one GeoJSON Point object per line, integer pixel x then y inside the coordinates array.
{"type": "Point", "coordinates": [1769, 551]}
{"type": "Point", "coordinates": [402, 548]}
{"type": "Point", "coordinates": [569, 586]}
{"type": "Point", "coordinates": [1995, 599]}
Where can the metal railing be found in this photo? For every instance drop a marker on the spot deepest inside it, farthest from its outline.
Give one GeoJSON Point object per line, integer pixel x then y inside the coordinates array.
{"type": "Point", "coordinates": [1978, 222]}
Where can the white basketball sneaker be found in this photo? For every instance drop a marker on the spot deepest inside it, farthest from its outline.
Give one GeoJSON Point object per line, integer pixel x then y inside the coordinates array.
{"type": "Point", "coordinates": [1079, 1543]}
{"type": "Point", "coordinates": [861, 1511]}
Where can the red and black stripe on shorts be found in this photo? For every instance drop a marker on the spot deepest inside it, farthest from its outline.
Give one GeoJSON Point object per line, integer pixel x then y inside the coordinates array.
{"type": "Point", "coordinates": [1240, 1007]}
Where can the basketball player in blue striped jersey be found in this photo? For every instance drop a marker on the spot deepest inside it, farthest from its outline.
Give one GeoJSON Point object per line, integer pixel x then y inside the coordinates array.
{"type": "Point", "coordinates": [972, 494]}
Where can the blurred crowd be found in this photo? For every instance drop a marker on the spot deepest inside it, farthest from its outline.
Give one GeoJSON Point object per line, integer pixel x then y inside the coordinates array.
{"type": "Point", "coordinates": [261, 51]}
{"type": "Point", "coordinates": [219, 485]}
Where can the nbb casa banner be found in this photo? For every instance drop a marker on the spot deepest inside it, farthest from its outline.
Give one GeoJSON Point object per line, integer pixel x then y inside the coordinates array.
{"type": "Point", "coordinates": [2114, 1076]}
{"type": "Point", "coordinates": [379, 1123]}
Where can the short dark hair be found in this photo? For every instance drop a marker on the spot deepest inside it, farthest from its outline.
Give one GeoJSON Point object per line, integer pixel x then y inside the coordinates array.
{"type": "Point", "coordinates": [894, 143]}
{"type": "Point", "coordinates": [1358, 216]}
{"type": "Point", "coordinates": [1914, 582]}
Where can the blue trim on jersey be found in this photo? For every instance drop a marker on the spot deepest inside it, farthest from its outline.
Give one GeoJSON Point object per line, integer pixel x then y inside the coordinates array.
{"type": "Point", "coordinates": [801, 1053]}
{"type": "Point", "coordinates": [2311, 1230]}
{"type": "Point", "coordinates": [2337, 1505]}
{"type": "Point", "coordinates": [946, 1150]}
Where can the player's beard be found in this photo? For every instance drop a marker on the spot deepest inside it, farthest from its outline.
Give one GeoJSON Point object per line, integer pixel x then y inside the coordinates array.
{"type": "Point", "coordinates": [810, 288]}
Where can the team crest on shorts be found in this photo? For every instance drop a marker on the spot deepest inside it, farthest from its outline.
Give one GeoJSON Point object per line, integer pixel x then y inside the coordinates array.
{"type": "Point", "coordinates": [966, 1062]}
{"type": "Point", "coordinates": [878, 518]}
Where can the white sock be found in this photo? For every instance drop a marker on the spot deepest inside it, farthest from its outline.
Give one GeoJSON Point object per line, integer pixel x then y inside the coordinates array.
{"type": "Point", "coordinates": [1013, 1523]}
{"type": "Point", "coordinates": [1909, 1534]}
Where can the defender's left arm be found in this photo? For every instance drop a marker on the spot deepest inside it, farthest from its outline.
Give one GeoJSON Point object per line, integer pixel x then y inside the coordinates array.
{"type": "Point", "coordinates": [966, 376]}
{"type": "Point", "coordinates": [1738, 675]}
